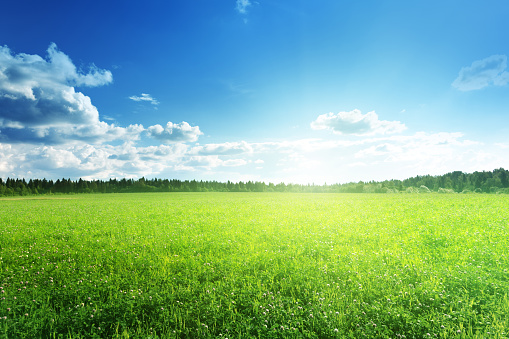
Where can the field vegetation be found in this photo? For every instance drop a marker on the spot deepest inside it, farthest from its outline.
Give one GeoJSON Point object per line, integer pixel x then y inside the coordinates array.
{"type": "Point", "coordinates": [496, 182]}
{"type": "Point", "coordinates": [254, 265]}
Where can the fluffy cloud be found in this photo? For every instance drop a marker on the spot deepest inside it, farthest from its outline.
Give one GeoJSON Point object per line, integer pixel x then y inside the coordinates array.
{"type": "Point", "coordinates": [39, 103]}
{"type": "Point", "coordinates": [145, 97]}
{"type": "Point", "coordinates": [89, 161]}
{"type": "Point", "coordinates": [482, 73]}
{"type": "Point", "coordinates": [356, 123]}
{"type": "Point", "coordinates": [96, 133]}
{"type": "Point", "coordinates": [22, 73]}
{"type": "Point", "coordinates": [7, 159]}
{"type": "Point", "coordinates": [48, 128]}
{"type": "Point", "coordinates": [173, 133]}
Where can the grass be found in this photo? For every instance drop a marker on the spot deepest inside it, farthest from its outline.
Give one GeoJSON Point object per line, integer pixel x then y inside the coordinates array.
{"type": "Point", "coordinates": [225, 265]}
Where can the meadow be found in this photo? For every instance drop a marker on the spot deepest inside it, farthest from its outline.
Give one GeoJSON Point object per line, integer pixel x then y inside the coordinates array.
{"type": "Point", "coordinates": [254, 265]}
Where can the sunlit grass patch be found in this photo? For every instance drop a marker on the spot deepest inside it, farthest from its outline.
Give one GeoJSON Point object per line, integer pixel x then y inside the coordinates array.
{"type": "Point", "coordinates": [255, 265]}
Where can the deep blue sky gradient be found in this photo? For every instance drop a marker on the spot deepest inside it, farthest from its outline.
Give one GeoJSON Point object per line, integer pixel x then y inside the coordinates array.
{"type": "Point", "coordinates": [266, 74]}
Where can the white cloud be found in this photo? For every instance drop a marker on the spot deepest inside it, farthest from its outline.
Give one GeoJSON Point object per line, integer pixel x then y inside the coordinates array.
{"type": "Point", "coordinates": [39, 104]}
{"type": "Point", "coordinates": [145, 97]}
{"type": "Point", "coordinates": [502, 79]}
{"type": "Point", "coordinates": [377, 150]}
{"type": "Point", "coordinates": [212, 161]}
{"type": "Point", "coordinates": [61, 66]}
{"type": "Point", "coordinates": [7, 160]}
{"type": "Point", "coordinates": [234, 162]}
{"type": "Point", "coordinates": [173, 133]}
{"type": "Point", "coordinates": [227, 148]}
{"type": "Point", "coordinates": [421, 153]}
{"type": "Point", "coordinates": [207, 162]}
{"type": "Point", "coordinates": [388, 157]}
{"type": "Point", "coordinates": [106, 117]}
{"type": "Point", "coordinates": [21, 74]}
{"type": "Point", "coordinates": [482, 73]}
{"type": "Point", "coordinates": [242, 6]}
{"type": "Point", "coordinates": [298, 161]}
{"type": "Point", "coordinates": [356, 123]}
{"type": "Point", "coordinates": [89, 161]}
{"type": "Point", "coordinates": [52, 158]}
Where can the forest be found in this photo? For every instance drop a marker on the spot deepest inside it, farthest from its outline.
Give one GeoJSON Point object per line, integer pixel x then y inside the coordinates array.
{"type": "Point", "coordinates": [496, 181]}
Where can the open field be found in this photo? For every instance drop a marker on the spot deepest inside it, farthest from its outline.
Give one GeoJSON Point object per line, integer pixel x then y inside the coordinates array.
{"type": "Point", "coordinates": [247, 265]}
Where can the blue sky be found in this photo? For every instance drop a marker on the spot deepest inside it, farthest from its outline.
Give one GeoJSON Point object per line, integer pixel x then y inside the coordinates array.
{"type": "Point", "coordinates": [270, 90]}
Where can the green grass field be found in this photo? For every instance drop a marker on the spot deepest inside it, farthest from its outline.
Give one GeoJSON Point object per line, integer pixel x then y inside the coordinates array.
{"type": "Point", "coordinates": [226, 265]}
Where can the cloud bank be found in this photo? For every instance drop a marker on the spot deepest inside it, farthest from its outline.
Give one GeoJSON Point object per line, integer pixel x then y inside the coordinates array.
{"type": "Point", "coordinates": [39, 104]}
{"type": "Point", "coordinates": [298, 161]}
{"type": "Point", "coordinates": [482, 73]}
{"type": "Point", "coordinates": [356, 123]}
{"type": "Point", "coordinates": [49, 129]}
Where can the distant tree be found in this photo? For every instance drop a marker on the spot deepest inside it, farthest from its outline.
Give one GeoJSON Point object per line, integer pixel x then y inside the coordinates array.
{"type": "Point", "coordinates": [424, 189]}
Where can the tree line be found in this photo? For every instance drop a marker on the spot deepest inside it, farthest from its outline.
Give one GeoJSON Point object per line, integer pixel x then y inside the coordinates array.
{"type": "Point", "coordinates": [496, 181]}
